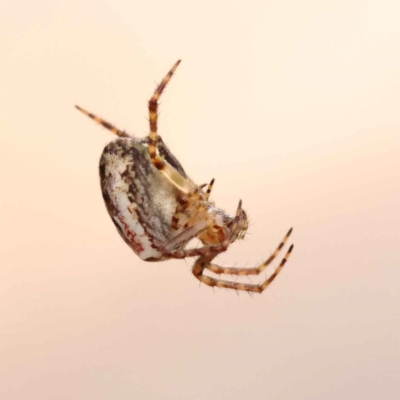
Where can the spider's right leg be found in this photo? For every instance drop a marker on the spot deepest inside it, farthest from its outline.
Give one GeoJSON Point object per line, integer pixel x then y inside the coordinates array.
{"type": "Point", "coordinates": [165, 168]}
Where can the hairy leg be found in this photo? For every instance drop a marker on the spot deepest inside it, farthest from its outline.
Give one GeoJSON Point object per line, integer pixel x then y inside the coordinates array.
{"type": "Point", "coordinates": [104, 123]}
{"type": "Point", "coordinates": [203, 262]}
{"type": "Point", "coordinates": [166, 169]}
{"type": "Point", "coordinates": [250, 271]}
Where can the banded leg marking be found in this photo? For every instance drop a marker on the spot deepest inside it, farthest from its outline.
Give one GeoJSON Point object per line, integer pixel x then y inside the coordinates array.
{"type": "Point", "coordinates": [209, 188]}
{"type": "Point", "coordinates": [203, 262]}
{"type": "Point", "coordinates": [250, 271]}
{"type": "Point", "coordinates": [153, 111]}
{"type": "Point", "coordinates": [167, 170]}
{"type": "Point", "coordinates": [104, 123]}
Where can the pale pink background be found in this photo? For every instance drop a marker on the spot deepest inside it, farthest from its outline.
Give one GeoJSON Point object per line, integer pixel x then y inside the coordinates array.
{"type": "Point", "coordinates": [293, 106]}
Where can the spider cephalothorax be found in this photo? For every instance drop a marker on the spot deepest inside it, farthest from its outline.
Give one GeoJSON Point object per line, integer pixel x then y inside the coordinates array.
{"type": "Point", "coordinates": [158, 209]}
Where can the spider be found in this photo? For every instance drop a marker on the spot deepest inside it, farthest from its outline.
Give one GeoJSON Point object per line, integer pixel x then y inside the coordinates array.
{"type": "Point", "coordinates": [158, 209]}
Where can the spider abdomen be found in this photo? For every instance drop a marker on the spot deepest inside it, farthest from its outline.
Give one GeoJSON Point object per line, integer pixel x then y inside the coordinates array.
{"type": "Point", "coordinates": [140, 201]}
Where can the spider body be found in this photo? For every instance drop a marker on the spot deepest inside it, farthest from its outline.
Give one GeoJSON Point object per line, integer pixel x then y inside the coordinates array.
{"type": "Point", "coordinates": [142, 203]}
{"type": "Point", "coordinates": [158, 209]}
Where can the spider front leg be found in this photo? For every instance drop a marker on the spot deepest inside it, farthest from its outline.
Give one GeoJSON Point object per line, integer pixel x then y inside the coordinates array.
{"type": "Point", "coordinates": [204, 262]}
{"type": "Point", "coordinates": [166, 169]}
{"type": "Point", "coordinates": [153, 113]}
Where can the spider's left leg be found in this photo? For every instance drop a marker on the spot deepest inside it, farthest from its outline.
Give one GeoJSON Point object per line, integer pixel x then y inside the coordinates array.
{"type": "Point", "coordinates": [251, 271]}
{"type": "Point", "coordinates": [104, 123]}
{"type": "Point", "coordinates": [203, 262]}
{"type": "Point", "coordinates": [165, 168]}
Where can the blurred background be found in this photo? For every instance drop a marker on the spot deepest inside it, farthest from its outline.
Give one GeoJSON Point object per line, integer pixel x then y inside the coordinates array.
{"type": "Point", "coordinates": [292, 107]}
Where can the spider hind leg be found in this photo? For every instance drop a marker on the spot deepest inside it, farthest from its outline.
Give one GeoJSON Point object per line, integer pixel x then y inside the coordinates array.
{"type": "Point", "coordinates": [203, 263]}
{"type": "Point", "coordinates": [250, 271]}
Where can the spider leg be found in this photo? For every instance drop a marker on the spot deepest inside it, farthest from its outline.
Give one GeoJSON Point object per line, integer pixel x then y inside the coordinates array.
{"type": "Point", "coordinates": [203, 262]}
{"type": "Point", "coordinates": [236, 220]}
{"type": "Point", "coordinates": [249, 271]}
{"type": "Point", "coordinates": [104, 123]}
{"type": "Point", "coordinates": [166, 169]}
{"type": "Point", "coordinates": [167, 156]}
{"type": "Point", "coordinates": [209, 188]}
